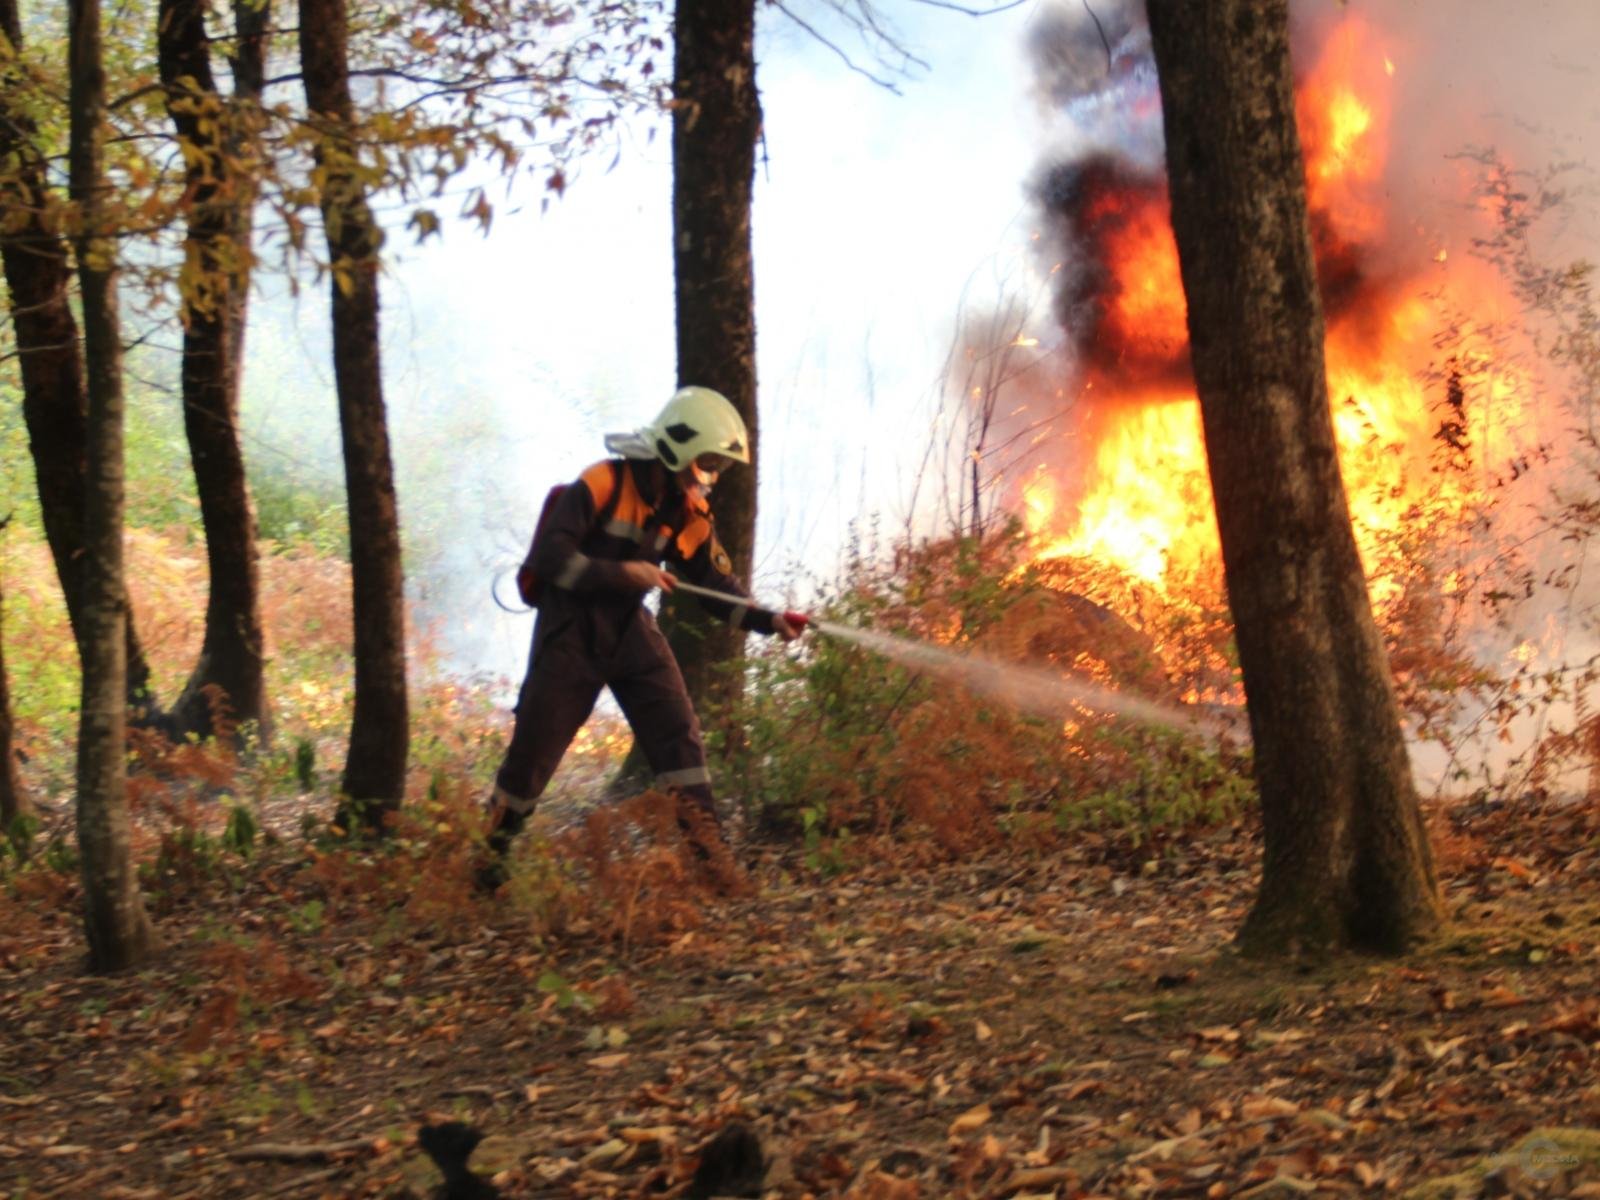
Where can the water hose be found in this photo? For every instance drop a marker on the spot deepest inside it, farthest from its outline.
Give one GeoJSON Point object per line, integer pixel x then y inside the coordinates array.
{"type": "Point", "coordinates": [797, 619]}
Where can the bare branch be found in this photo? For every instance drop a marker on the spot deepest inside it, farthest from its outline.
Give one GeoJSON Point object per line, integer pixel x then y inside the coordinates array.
{"type": "Point", "coordinates": [867, 19]}
{"type": "Point", "coordinates": [886, 84]}
{"type": "Point", "coordinates": [1101, 30]}
{"type": "Point", "coordinates": [280, 1152]}
{"type": "Point", "coordinates": [974, 12]}
{"type": "Point", "coordinates": [128, 98]}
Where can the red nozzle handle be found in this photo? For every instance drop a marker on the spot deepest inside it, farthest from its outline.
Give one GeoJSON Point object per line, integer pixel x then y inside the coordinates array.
{"type": "Point", "coordinates": [797, 619]}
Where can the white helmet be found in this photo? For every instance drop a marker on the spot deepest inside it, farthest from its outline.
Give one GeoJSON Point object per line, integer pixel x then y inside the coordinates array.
{"type": "Point", "coordinates": [697, 421]}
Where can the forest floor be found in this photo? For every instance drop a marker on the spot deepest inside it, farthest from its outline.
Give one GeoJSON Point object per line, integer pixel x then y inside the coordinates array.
{"type": "Point", "coordinates": [1023, 1023]}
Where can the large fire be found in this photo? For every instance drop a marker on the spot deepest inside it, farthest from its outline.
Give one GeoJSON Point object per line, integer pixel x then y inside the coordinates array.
{"type": "Point", "coordinates": [1401, 399]}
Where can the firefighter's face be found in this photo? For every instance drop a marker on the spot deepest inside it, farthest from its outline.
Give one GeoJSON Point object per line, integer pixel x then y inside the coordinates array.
{"type": "Point", "coordinates": [702, 474]}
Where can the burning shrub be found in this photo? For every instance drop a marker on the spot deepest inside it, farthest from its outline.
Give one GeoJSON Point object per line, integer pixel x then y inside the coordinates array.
{"type": "Point", "coordinates": [1171, 641]}
{"type": "Point", "coordinates": [840, 738]}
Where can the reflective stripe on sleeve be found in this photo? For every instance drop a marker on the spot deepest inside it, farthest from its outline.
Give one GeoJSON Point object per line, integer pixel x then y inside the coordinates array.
{"type": "Point", "coordinates": [687, 777]}
{"type": "Point", "coordinates": [572, 571]}
{"type": "Point", "coordinates": [736, 617]}
{"type": "Point", "coordinates": [617, 527]}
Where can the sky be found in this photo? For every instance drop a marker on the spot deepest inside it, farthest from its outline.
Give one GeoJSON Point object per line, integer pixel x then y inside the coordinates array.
{"type": "Point", "coordinates": [879, 218]}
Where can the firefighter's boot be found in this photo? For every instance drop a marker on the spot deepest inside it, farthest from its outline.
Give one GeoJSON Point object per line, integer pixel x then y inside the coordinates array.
{"type": "Point", "coordinates": [508, 815]}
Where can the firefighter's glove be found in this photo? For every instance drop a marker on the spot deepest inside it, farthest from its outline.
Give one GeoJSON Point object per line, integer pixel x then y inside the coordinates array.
{"type": "Point", "coordinates": [782, 627]}
{"type": "Point", "coordinates": [644, 577]}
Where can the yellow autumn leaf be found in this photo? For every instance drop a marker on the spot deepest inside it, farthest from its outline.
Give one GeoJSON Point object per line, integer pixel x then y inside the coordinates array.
{"type": "Point", "coordinates": [973, 1118]}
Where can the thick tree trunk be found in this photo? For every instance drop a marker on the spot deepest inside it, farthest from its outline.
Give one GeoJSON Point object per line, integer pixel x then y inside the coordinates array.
{"type": "Point", "coordinates": [118, 930]}
{"type": "Point", "coordinates": [374, 776]}
{"type": "Point", "coordinates": [221, 193]}
{"type": "Point", "coordinates": [15, 803]}
{"type": "Point", "coordinates": [1347, 862]}
{"type": "Point", "coordinates": [716, 123]}
{"type": "Point", "coordinates": [54, 400]}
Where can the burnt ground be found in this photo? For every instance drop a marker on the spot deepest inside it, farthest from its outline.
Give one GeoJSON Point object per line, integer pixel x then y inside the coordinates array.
{"type": "Point", "coordinates": [1031, 1023]}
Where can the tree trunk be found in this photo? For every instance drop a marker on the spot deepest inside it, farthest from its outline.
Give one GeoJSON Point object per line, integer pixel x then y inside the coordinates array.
{"type": "Point", "coordinates": [716, 123]}
{"type": "Point", "coordinates": [374, 776]}
{"type": "Point", "coordinates": [1347, 862]}
{"type": "Point", "coordinates": [119, 932]}
{"type": "Point", "coordinates": [54, 400]}
{"type": "Point", "coordinates": [252, 21]}
{"type": "Point", "coordinates": [220, 193]}
{"type": "Point", "coordinates": [16, 806]}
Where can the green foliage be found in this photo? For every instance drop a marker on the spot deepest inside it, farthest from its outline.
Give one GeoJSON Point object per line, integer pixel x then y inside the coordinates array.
{"type": "Point", "coordinates": [16, 841]}
{"type": "Point", "coordinates": [19, 497]}
{"type": "Point", "coordinates": [188, 859]}
{"type": "Point", "coordinates": [297, 503]}
{"type": "Point", "coordinates": [307, 918]}
{"type": "Point", "coordinates": [299, 507]}
{"type": "Point", "coordinates": [160, 484]}
{"type": "Point", "coordinates": [43, 665]}
{"type": "Point", "coordinates": [1171, 782]}
{"type": "Point", "coordinates": [304, 1101]}
{"type": "Point", "coordinates": [823, 855]}
{"type": "Point", "coordinates": [60, 856]}
{"type": "Point", "coordinates": [305, 763]}
{"type": "Point", "coordinates": [240, 834]}
{"type": "Point", "coordinates": [567, 996]}
{"type": "Point", "coordinates": [191, 861]}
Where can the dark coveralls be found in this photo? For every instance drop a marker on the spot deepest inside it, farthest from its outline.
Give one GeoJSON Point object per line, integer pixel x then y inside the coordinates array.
{"type": "Point", "coordinates": [593, 631]}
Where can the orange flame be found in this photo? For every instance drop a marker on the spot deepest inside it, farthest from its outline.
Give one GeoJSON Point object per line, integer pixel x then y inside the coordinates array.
{"type": "Point", "coordinates": [1123, 518]}
{"type": "Point", "coordinates": [1146, 315]}
{"type": "Point", "coordinates": [1145, 503]}
{"type": "Point", "coordinates": [1343, 112]}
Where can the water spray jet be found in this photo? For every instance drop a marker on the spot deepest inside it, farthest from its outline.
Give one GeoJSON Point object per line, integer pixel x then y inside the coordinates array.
{"type": "Point", "coordinates": [1032, 690]}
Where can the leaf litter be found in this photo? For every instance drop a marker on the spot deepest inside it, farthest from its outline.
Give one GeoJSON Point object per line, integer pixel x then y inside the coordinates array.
{"type": "Point", "coordinates": [1018, 1024]}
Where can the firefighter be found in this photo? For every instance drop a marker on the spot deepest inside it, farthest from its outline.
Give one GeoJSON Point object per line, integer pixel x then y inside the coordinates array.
{"type": "Point", "coordinates": [598, 553]}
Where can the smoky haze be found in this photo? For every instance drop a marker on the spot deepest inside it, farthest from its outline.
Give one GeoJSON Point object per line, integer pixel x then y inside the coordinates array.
{"type": "Point", "coordinates": [507, 357]}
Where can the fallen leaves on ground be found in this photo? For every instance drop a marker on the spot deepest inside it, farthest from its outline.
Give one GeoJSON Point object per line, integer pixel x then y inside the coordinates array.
{"type": "Point", "coordinates": [1064, 1025]}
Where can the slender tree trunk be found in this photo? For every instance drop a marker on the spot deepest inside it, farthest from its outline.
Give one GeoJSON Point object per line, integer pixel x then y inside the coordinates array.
{"type": "Point", "coordinates": [1347, 862]}
{"type": "Point", "coordinates": [15, 803]}
{"type": "Point", "coordinates": [374, 776]}
{"type": "Point", "coordinates": [54, 399]}
{"type": "Point", "coordinates": [221, 191]}
{"type": "Point", "coordinates": [716, 123]}
{"type": "Point", "coordinates": [252, 20]}
{"type": "Point", "coordinates": [119, 932]}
